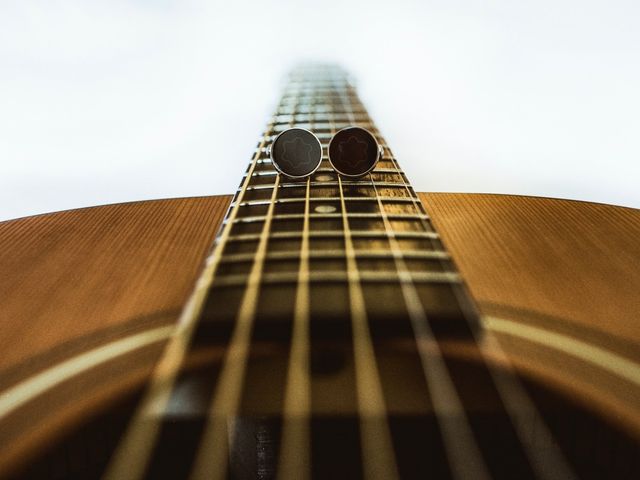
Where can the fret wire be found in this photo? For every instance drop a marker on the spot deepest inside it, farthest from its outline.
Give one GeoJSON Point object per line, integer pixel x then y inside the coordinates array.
{"type": "Point", "coordinates": [340, 254]}
{"type": "Point", "coordinates": [133, 451]}
{"type": "Point", "coordinates": [334, 234]}
{"type": "Point", "coordinates": [331, 276]}
{"type": "Point", "coordinates": [299, 216]}
{"type": "Point", "coordinates": [252, 203]}
{"type": "Point", "coordinates": [375, 436]}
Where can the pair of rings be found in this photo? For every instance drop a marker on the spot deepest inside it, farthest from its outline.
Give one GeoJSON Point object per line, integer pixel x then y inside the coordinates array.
{"type": "Point", "coordinates": [352, 152]}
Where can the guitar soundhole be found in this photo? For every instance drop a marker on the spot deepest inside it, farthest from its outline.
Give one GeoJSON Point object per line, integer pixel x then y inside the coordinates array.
{"type": "Point", "coordinates": [593, 446]}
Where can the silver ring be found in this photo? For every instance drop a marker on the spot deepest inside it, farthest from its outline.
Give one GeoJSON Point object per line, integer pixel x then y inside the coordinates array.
{"type": "Point", "coordinates": [296, 153]}
{"type": "Point", "coordinates": [354, 151]}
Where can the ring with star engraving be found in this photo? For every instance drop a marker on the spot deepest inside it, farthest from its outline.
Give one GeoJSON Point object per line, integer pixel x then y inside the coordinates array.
{"type": "Point", "coordinates": [296, 153]}
{"type": "Point", "coordinates": [354, 151]}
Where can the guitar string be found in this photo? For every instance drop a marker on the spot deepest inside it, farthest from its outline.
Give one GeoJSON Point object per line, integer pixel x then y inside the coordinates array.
{"type": "Point", "coordinates": [545, 456]}
{"type": "Point", "coordinates": [378, 455]}
{"type": "Point", "coordinates": [462, 450]}
{"type": "Point", "coordinates": [543, 451]}
{"type": "Point", "coordinates": [295, 459]}
{"type": "Point", "coordinates": [132, 454]}
{"type": "Point", "coordinates": [211, 461]}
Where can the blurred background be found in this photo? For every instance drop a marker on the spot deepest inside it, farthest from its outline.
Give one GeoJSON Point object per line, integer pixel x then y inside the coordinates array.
{"type": "Point", "coordinates": [112, 101]}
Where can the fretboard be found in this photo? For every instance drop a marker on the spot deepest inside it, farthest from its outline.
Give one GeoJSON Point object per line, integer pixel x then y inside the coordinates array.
{"type": "Point", "coordinates": [312, 331]}
{"type": "Point", "coordinates": [326, 230]}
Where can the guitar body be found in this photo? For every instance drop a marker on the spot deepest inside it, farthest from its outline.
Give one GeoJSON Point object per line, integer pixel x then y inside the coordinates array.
{"type": "Point", "coordinates": [89, 297]}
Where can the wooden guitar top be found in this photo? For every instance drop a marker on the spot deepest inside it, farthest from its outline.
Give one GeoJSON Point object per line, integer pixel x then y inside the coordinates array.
{"type": "Point", "coordinates": [558, 282]}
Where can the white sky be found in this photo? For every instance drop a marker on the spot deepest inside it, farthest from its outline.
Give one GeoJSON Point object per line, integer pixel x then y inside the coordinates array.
{"type": "Point", "coordinates": [119, 100]}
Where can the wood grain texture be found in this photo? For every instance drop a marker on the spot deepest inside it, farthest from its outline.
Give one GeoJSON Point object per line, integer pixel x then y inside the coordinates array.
{"type": "Point", "coordinates": [80, 277]}
{"type": "Point", "coordinates": [574, 260]}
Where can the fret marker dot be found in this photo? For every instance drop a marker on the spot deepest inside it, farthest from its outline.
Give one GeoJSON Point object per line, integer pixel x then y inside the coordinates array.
{"type": "Point", "coordinates": [325, 209]}
{"type": "Point", "coordinates": [324, 178]}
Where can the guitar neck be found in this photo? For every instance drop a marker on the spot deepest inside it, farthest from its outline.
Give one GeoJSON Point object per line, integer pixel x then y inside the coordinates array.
{"type": "Point", "coordinates": [308, 284]}
{"type": "Point", "coordinates": [328, 232]}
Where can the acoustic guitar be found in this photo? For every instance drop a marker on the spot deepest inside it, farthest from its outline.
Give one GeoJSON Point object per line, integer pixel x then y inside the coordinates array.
{"type": "Point", "coordinates": [337, 328]}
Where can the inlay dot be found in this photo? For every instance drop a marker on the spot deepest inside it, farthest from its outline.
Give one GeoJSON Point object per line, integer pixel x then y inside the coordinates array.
{"type": "Point", "coordinates": [324, 178]}
{"type": "Point", "coordinates": [325, 209]}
